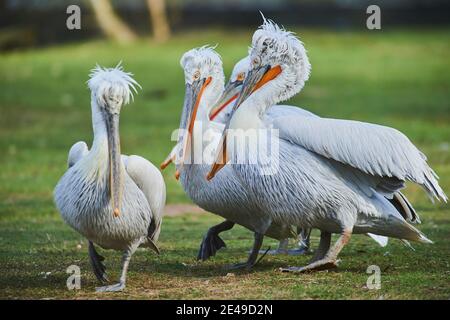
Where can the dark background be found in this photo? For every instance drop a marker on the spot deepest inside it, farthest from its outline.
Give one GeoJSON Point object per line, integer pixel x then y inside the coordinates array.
{"type": "Point", "coordinates": [26, 23]}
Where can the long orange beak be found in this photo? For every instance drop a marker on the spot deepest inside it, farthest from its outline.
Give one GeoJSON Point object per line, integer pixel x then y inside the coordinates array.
{"type": "Point", "coordinates": [221, 159]}
{"type": "Point", "coordinates": [229, 94]}
{"type": "Point", "coordinates": [169, 159]}
{"type": "Point", "coordinates": [271, 74]}
{"type": "Point", "coordinates": [215, 112]}
{"type": "Point", "coordinates": [190, 127]}
{"type": "Point", "coordinates": [197, 102]}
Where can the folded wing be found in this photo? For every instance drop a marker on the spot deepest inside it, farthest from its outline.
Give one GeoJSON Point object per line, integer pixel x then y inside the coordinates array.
{"type": "Point", "coordinates": [375, 150]}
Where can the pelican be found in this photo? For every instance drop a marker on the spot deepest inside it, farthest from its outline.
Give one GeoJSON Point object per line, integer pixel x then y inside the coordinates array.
{"type": "Point", "coordinates": [223, 113]}
{"type": "Point", "coordinates": [333, 175]}
{"type": "Point", "coordinates": [225, 196]}
{"type": "Point", "coordinates": [115, 201]}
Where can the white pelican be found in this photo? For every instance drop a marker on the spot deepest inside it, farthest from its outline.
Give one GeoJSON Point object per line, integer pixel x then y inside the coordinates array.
{"type": "Point", "coordinates": [333, 175]}
{"type": "Point", "coordinates": [224, 196]}
{"type": "Point", "coordinates": [114, 201]}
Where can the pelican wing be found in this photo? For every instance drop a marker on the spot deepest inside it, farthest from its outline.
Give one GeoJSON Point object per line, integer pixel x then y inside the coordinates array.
{"type": "Point", "coordinates": [373, 149]}
{"type": "Point", "coordinates": [76, 152]}
{"type": "Point", "coordinates": [278, 111]}
{"type": "Point", "coordinates": [149, 179]}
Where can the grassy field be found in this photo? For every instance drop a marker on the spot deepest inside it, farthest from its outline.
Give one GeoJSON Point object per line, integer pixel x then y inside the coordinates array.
{"type": "Point", "coordinates": [396, 78]}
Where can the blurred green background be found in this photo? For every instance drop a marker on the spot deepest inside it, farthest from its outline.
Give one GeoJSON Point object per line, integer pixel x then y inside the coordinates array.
{"type": "Point", "coordinates": [398, 76]}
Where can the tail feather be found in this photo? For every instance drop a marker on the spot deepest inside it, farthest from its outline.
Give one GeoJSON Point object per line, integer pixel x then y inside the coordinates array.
{"type": "Point", "coordinates": [404, 207]}
{"type": "Point", "coordinates": [432, 187]}
{"type": "Point", "coordinates": [381, 240]}
{"type": "Point", "coordinates": [391, 222]}
{"type": "Point", "coordinates": [404, 231]}
{"type": "Point", "coordinates": [406, 243]}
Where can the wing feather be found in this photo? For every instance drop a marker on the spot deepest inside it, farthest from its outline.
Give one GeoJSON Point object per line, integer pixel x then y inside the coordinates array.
{"type": "Point", "coordinates": [76, 152]}
{"type": "Point", "coordinates": [149, 179]}
{"type": "Point", "coordinates": [373, 149]}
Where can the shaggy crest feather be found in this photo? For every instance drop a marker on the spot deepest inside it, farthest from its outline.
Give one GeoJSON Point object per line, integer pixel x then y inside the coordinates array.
{"type": "Point", "coordinates": [273, 43]}
{"type": "Point", "coordinates": [203, 58]}
{"type": "Point", "coordinates": [112, 81]}
{"type": "Point", "coordinates": [203, 54]}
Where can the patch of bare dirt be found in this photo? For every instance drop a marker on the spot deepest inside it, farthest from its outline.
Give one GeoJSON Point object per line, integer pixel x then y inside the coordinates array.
{"type": "Point", "coordinates": [175, 210]}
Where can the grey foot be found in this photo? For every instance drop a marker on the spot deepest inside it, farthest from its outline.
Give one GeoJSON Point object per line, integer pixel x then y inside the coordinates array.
{"type": "Point", "coordinates": [290, 252]}
{"type": "Point", "coordinates": [112, 288]}
{"type": "Point", "coordinates": [299, 251]}
{"type": "Point", "coordinates": [209, 246]}
{"type": "Point", "coordinates": [97, 264]}
{"type": "Point", "coordinates": [315, 266]}
{"type": "Point", "coordinates": [274, 252]}
{"type": "Point", "coordinates": [240, 266]}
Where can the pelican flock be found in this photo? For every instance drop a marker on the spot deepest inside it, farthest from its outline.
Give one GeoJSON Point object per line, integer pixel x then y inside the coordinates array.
{"type": "Point", "coordinates": [338, 176]}
{"type": "Point", "coordinates": [113, 200]}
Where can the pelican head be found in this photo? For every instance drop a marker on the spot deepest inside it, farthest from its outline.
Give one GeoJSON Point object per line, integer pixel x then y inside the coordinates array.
{"type": "Point", "coordinates": [232, 88]}
{"type": "Point", "coordinates": [204, 81]}
{"type": "Point", "coordinates": [111, 88]}
{"type": "Point", "coordinates": [279, 66]}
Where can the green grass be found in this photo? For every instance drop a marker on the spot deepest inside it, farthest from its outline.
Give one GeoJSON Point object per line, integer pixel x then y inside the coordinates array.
{"type": "Point", "coordinates": [397, 78]}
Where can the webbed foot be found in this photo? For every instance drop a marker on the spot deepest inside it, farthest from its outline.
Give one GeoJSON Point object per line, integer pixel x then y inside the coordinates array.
{"type": "Point", "coordinates": [240, 266]}
{"type": "Point", "coordinates": [209, 246]}
{"type": "Point", "coordinates": [112, 288]}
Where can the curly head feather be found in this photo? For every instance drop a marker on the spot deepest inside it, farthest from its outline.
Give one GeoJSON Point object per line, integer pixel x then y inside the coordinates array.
{"type": "Point", "coordinates": [273, 45]}
{"type": "Point", "coordinates": [204, 59]}
{"type": "Point", "coordinates": [105, 82]}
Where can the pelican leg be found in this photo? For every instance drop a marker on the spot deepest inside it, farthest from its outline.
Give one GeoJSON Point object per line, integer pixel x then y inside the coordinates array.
{"type": "Point", "coordinates": [212, 242]}
{"type": "Point", "coordinates": [329, 261]}
{"type": "Point", "coordinates": [303, 243]}
{"type": "Point", "coordinates": [253, 254]}
{"type": "Point", "coordinates": [125, 262]}
{"type": "Point", "coordinates": [324, 246]}
{"type": "Point", "coordinates": [97, 263]}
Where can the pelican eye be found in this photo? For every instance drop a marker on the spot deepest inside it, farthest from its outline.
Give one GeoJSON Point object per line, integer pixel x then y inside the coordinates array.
{"type": "Point", "coordinates": [240, 76]}
{"type": "Point", "coordinates": [256, 61]}
{"type": "Point", "coordinates": [196, 75]}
